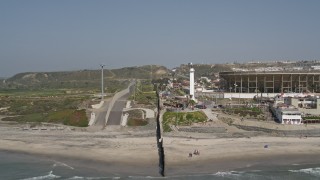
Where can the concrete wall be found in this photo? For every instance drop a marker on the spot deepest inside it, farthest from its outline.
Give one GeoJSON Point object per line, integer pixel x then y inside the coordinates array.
{"type": "Point", "coordinates": [97, 106]}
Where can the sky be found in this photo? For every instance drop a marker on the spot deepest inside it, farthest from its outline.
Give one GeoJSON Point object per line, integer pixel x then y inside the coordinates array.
{"type": "Point", "coordinates": [63, 35]}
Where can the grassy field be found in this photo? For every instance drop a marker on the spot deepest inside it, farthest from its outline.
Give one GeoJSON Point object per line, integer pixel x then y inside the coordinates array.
{"type": "Point", "coordinates": [245, 111]}
{"type": "Point", "coordinates": [144, 94]}
{"type": "Point", "coordinates": [52, 106]}
{"type": "Point", "coordinates": [29, 92]}
{"type": "Point", "coordinates": [136, 118]}
{"type": "Point", "coordinates": [182, 118]}
{"type": "Point", "coordinates": [67, 117]}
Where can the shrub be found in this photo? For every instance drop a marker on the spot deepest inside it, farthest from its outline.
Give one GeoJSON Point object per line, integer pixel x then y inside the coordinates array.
{"type": "Point", "coordinates": [137, 122]}
{"type": "Point", "coordinates": [181, 118]}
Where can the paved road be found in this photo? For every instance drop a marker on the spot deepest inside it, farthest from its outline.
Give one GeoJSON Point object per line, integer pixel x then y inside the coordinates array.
{"type": "Point", "coordinates": [101, 115]}
{"type": "Point", "coordinates": [116, 111]}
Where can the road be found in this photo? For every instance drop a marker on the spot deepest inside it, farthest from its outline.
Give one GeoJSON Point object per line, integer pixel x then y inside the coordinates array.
{"type": "Point", "coordinates": [116, 111]}
{"type": "Point", "coordinates": [100, 115]}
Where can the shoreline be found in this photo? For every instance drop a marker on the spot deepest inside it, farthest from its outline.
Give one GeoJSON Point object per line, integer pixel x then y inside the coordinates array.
{"type": "Point", "coordinates": [129, 152]}
{"type": "Point", "coordinates": [123, 153]}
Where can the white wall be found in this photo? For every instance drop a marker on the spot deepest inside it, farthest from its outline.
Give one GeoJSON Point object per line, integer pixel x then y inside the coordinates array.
{"type": "Point", "coordinates": [248, 95]}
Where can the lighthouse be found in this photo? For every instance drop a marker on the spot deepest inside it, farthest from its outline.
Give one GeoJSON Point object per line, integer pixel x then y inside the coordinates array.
{"type": "Point", "coordinates": [191, 81]}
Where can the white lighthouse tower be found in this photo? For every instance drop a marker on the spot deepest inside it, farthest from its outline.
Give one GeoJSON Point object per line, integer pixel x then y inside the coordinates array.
{"type": "Point", "coordinates": [191, 82]}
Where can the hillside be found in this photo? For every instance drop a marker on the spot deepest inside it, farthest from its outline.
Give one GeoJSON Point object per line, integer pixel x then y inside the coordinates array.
{"type": "Point", "coordinates": [203, 69]}
{"type": "Point", "coordinates": [81, 78]}
{"type": "Point", "coordinates": [91, 78]}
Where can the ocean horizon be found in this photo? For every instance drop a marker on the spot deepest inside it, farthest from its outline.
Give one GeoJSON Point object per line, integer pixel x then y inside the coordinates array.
{"type": "Point", "coordinates": [22, 166]}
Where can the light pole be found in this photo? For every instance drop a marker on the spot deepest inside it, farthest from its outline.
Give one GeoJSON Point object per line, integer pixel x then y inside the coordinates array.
{"type": "Point", "coordinates": [235, 90]}
{"type": "Point", "coordinates": [101, 65]}
{"type": "Point", "coordinates": [230, 88]}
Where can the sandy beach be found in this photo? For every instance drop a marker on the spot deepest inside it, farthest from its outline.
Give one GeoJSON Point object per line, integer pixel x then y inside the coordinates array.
{"type": "Point", "coordinates": [136, 152]}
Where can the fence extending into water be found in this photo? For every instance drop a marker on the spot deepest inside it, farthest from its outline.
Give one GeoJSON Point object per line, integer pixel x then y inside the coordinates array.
{"type": "Point", "coordinates": [160, 140]}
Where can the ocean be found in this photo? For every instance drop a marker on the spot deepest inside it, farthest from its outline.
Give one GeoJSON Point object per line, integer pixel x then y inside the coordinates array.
{"type": "Point", "coordinates": [22, 166]}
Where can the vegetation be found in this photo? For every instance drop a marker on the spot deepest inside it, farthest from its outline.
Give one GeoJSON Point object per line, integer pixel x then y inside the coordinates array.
{"type": "Point", "coordinates": [182, 118]}
{"type": "Point", "coordinates": [55, 97]}
{"type": "Point", "coordinates": [245, 111]}
{"type": "Point", "coordinates": [136, 118]}
{"type": "Point", "coordinates": [52, 106]}
{"type": "Point", "coordinates": [144, 93]}
{"type": "Point", "coordinates": [311, 117]}
{"type": "Point", "coordinates": [66, 117]}
{"type": "Point", "coordinates": [82, 79]}
{"type": "Point", "coordinates": [28, 105]}
{"type": "Point", "coordinates": [203, 69]}
{"type": "Point", "coordinates": [142, 72]}
{"type": "Point", "coordinates": [137, 122]}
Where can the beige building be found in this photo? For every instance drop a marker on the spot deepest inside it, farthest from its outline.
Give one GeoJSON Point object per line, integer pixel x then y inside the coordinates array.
{"type": "Point", "coordinates": [309, 105]}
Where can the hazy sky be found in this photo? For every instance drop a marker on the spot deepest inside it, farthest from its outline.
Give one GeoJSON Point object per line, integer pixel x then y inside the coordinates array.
{"type": "Point", "coordinates": [44, 35]}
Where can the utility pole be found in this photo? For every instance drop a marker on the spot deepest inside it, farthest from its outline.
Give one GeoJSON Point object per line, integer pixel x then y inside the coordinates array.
{"type": "Point", "coordinates": [134, 92]}
{"type": "Point", "coordinates": [102, 87]}
{"type": "Point", "coordinates": [235, 90]}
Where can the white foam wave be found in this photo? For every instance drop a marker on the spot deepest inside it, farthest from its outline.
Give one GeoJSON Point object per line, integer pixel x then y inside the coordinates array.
{"type": "Point", "coordinates": [295, 164]}
{"type": "Point", "coordinates": [92, 178]}
{"type": "Point", "coordinates": [49, 176]}
{"type": "Point", "coordinates": [76, 177]}
{"type": "Point", "coordinates": [227, 174]}
{"type": "Point", "coordinates": [146, 177]}
{"type": "Point", "coordinates": [255, 170]}
{"type": "Point", "coordinates": [311, 171]}
{"type": "Point", "coordinates": [57, 163]}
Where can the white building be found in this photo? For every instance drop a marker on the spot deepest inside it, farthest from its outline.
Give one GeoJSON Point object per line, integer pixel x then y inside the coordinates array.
{"type": "Point", "coordinates": [287, 114]}
{"type": "Point", "coordinates": [315, 67]}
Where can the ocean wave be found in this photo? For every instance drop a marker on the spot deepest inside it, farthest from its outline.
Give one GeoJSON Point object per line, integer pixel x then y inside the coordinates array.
{"type": "Point", "coordinates": [193, 176]}
{"type": "Point", "coordinates": [311, 171]}
{"type": "Point", "coordinates": [146, 177]}
{"type": "Point", "coordinates": [49, 176]}
{"type": "Point", "coordinates": [57, 163]}
{"type": "Point", "coordinates": [227, 173]}
{"type": "Point", "coordinates": [92, 178]}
